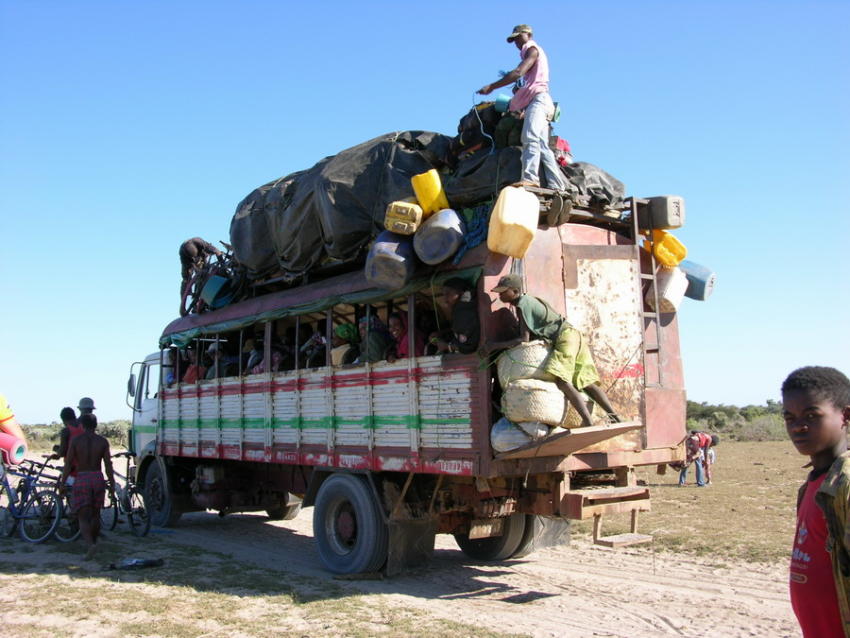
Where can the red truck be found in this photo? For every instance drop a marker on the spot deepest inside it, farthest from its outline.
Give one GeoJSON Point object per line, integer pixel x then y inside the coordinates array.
{"type": "Point", "coordinates": [391, 453]}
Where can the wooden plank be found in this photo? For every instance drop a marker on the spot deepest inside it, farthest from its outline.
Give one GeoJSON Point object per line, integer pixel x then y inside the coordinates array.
{"type": "Point", "coordinates": [571, 441]}
{"type": "Point", "coordinates": [623, 540]}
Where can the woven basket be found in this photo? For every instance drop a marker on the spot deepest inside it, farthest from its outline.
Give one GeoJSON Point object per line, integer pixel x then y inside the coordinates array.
{"type": "Point", "coordinates": [525, 361]}
{"type": "Point", "coordinates": [573, 419]}
{"type": "Point", "coordinates": [530, 400]}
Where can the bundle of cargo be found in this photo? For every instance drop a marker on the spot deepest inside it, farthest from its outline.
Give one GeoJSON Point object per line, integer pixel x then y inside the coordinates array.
{"type": "Point", "coordinates": [423, 226]}
{"type": "Point", "coordinates": [531, 403]}
{"type": "Point", "coordinates": [324, 219]}
{"type": "Point", "coordinates": [330, 213]}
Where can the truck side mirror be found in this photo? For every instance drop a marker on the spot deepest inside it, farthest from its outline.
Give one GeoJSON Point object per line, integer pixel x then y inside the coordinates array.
{"type": "Point", "coordinates": [131, 385]}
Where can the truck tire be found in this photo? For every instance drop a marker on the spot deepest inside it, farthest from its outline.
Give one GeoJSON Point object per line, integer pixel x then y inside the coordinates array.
{"type": "Point", "coordinates": [348, 525]}
{"type": "Point", "coordinates": [495, 548]}
{"type": "Point", "coordinates": [288, 509]}
{"type": "Point", "coordinates": [541, 532]}
{"type": "Point", "coordinates": [159, 501]}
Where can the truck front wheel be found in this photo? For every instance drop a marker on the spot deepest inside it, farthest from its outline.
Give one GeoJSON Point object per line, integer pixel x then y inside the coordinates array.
{"type": "Point", "coordinates": [159, 500]}
{"type": "Point", "coordinates": [351, 535]}
{"type": "Point", "coordinates": [495, 548]}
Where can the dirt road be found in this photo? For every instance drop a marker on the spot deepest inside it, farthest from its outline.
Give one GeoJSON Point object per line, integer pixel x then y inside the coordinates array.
{"type": "Point", "coordinates": [580, 590]}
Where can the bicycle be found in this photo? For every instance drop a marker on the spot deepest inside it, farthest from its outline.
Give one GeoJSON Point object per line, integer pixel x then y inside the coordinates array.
{"type": "Point", "coordinates": [30, 506]}
{"type": "Point", "coordinates": [127, 500]}
{"type": "Point", "coordinates": [222, 265]}
{"type": "Point", "coordinates": [68, 528]}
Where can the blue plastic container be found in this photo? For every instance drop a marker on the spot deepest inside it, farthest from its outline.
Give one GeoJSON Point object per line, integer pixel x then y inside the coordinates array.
{"type": "Point", "coordinates": [502, 102]}
{"type": "Point", "coordinates": [217, 292]}
{"type": "Point", "coordinates": [439, 237]}
{"type": "Point", "coordinates": [701, 280]}
{"type": "Point", "coordinates": [390, 262]}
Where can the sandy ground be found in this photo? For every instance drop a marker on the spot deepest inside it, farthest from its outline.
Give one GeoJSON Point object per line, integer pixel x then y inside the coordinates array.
{"type": "Point", "coordinates": [579, 590]}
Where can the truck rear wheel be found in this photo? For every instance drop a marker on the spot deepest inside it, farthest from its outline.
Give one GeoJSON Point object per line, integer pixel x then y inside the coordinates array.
{"type": "Point", "coordinates": [351, 535]}
{"type": "Point", "coordinates": [541, 532]}
{"type": "Point", "coordinates": [288, 509]}
{"type": "Point", "coordinates": [159, 501]}
{"type": "Point", "coordinates": [495, 548]}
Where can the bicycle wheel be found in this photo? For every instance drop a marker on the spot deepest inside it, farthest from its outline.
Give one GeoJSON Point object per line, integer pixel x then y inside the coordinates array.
{"type": "Point", "coordinates": [109, 512]}
{"type": "Point", "coordinates": [8, 522]}
{"type": "Point", "coordinates": [69, 528]}
{"type": "Point", "coordinates": [137, 514]}
{"type": "Point", "coordinates": [40, 516]}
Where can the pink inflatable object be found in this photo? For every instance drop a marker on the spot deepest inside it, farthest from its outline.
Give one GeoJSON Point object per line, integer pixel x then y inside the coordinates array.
{"type": "Point", "coordinates": [11, 427]}
{"type": "Point", "coordinates": [14, 449]}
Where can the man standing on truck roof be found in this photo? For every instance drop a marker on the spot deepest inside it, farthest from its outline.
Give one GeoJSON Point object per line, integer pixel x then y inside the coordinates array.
{"type": "Point", "coordinates": [534, 101]}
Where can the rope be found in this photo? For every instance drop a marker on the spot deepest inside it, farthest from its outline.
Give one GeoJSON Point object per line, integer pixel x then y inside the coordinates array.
{"type": "Point", "coordinates": [481, 124]}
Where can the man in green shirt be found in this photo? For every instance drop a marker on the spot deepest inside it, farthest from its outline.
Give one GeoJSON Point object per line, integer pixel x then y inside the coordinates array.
{"type": "Point", "coordinates": [570, 361]}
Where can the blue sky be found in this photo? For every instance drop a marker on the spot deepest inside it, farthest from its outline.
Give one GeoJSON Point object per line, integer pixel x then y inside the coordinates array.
{"type": "Point", "coordinates": [127, 127]}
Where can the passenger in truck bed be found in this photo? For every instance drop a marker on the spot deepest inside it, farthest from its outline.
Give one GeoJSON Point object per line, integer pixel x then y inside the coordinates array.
{"type": "Point", "coordinates": [346, 344]}
{"type": "Point", "coordinates": [459, 301]}
{"type": "Point", "coordinates": [374, 341]}
{"type": "Point", "coordinates": [277, 363]}
{"type": "Point", "coordinates": [400, 349]}
{"type": "Point", "coordinates": [195, 370]}
{"type": "Point", "coordinates": [570, 361]}
{"type": "Point", "coordinates": [223, 365]}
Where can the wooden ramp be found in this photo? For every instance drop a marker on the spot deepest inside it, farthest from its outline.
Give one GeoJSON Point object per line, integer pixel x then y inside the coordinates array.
{"type": "Point", "coordinates": [569, 442]}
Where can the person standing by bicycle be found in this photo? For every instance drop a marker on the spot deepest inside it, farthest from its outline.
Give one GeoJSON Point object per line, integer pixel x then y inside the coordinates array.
{"type": "Point", "coordinates": [71, 430]}
{"type": "Point", "coordinates": [85, 454]}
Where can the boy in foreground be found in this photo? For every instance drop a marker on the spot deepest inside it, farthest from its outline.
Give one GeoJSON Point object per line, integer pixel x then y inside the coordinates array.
{"type": "Point", "coordinates": [816, 408]}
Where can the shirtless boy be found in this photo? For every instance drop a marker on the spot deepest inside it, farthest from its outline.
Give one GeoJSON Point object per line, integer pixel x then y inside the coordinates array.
{"type": "Point", "coordinates": [85, 454]}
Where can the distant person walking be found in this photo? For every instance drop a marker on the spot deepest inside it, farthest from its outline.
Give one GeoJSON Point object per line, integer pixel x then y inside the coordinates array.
{"type": "Point", "coordinates": [816, 407]}
{"type": "Point", "coordinates": [533, 102]}
{"type": "Point", "coordinates": [85, 454]}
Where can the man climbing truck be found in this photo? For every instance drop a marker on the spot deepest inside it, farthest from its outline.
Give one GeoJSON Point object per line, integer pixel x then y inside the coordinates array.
{"type": "Point", "coordinates": [391, 453]}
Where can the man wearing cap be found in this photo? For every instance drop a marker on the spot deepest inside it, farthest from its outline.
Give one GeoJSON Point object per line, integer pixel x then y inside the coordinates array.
{"type": "Point", "coordinates": [569, 361]}
{"type": "Point", "coordinates": [86, 406]}
{"type": "Point", "coordinates": [533, 98]}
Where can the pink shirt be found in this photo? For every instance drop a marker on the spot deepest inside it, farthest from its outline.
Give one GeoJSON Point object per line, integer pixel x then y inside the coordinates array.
{"type": "Point", "coordinates": [536, 79]}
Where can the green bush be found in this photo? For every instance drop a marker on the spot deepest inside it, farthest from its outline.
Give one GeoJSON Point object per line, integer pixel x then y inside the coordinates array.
{"type": "Point", "coordinates": [750, 423]}
{"type": "Point", "coordinates": [42, 438]}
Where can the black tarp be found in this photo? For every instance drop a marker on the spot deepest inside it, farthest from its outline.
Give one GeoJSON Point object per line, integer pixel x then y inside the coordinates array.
{"type": "Point", "coordinates": [329, 213]}
{"type": "Point", "coordinates": [603, 189]}
{"type": "Point", "coordinates": [482, 175]}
